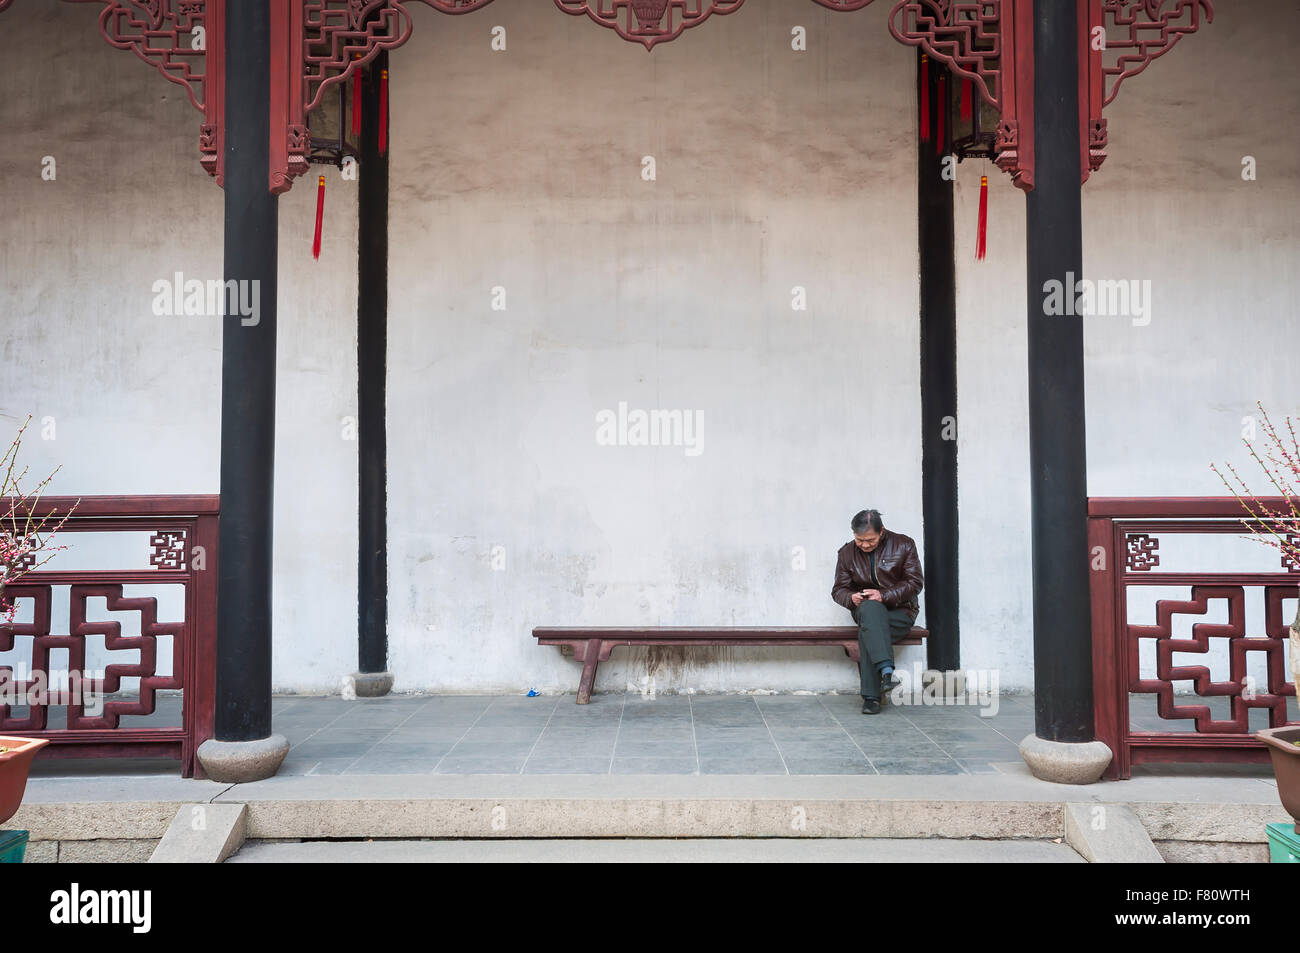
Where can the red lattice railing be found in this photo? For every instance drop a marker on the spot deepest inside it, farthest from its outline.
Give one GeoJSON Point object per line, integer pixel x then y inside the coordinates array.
{"type": "Point", "coordinates": [168, 545]}
{"type": "Point", "coordinates": [1131, 660]}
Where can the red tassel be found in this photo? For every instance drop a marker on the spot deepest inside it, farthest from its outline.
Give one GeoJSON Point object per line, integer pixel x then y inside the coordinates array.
{"type": "Point", "coordinates": [356, 99]}
{"type": "Point", "coordinates": [925, 98]}
{"type": "Point", "coordinates": [942, 104]}
{"type": "Point", "coordinates": [383, 111]}
{"type": "Point", "coordinates": [965, 100]}
{"type": "Point", "coordinates": [320, 216]}
{"type": "Point", "coordinates": [981, 234]}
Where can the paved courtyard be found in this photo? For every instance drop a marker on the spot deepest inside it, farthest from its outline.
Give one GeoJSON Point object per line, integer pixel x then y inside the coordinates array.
{"type": "Point", "coordinates": [626, 734]}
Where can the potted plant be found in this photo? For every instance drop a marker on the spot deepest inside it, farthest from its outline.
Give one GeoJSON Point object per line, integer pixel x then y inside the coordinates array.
{"type": "Point", "coordinates": [1278, 527]}
{"type": "Point", "coordinates": [25, 544]}
{"type": "Point", "coordinates": [15, 760]}
{"type": "Point", "coordinates": [25, 535]}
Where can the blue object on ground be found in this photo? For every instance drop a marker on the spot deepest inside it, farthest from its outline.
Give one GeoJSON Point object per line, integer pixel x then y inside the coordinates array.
{"type": "Point", "coordinates": [1283, 844]}
{"type": "Point", "coordinates": [13, 844]}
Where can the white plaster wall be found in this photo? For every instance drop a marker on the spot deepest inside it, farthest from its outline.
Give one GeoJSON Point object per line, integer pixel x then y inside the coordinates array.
{"type": "Point", "coordinates": [522, 170]}
{"type": "Point", "coordinates": [774, 170]}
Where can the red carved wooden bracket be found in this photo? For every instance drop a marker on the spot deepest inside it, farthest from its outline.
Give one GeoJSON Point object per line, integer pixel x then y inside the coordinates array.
{"type": "Point", "coordinates": [649, 21]}
{"type": "Point", "coordinates": [1150, 29]}
{"type": "Point", "coordinates": [175, 37]}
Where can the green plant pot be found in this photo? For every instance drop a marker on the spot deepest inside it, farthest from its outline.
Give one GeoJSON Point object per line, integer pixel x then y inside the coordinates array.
{"type": "Point", "coordinates": [13, 845]}
{"type": "Point", "coordinates": [1283, 844]}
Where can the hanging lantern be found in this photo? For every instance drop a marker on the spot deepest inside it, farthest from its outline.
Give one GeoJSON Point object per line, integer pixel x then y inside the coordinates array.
{"type": "Point", "coordinates": [972, 121]}
{"type": "Point", "coordinates": [335, 125]}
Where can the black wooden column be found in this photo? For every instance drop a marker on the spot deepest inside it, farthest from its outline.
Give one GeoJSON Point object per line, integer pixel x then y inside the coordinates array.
{"type": "Point", "coordinates": [938, 394]}
{"type": "Point", "coordinates": [1057, 448]}
{"type": "Point", "coordinates": [372, 348]}
{"type": "Point", "coordinates": [243, 711]}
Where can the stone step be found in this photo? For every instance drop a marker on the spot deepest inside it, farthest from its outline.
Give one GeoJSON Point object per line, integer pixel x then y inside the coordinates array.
{"type": "Point", "coordinates": [1187, 817]}
{"type": "Point", "coordinates": [585, 851]}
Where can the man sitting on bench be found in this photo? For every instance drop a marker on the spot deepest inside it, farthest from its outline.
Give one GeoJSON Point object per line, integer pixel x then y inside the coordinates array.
{"type": "Point", "coordinates": [877, 578]}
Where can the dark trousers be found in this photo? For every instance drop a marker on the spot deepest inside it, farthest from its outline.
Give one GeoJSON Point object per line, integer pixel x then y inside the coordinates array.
{"type": "Point", "coordinates": [878, 629]}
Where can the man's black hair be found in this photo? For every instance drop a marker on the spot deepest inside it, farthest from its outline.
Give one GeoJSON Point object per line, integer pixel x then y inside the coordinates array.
{"type": "Point", "coordinates": [865, 519]}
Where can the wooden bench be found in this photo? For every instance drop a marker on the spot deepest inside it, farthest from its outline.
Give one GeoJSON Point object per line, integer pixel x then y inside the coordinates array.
{"type": "Point", "coordinates": [592, 646]}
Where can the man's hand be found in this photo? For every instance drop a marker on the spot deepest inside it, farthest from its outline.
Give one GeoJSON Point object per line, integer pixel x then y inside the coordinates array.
{"type": "Point", "coordinates": [873, 595]}
{"type": "Point", "coordinates": [857, 597]}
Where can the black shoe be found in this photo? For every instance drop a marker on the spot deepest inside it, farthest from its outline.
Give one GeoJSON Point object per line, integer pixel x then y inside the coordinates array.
{"type": "Point", "coordinates": [871, 706]}
{"type": "Point", "coordinates": [889, 682]}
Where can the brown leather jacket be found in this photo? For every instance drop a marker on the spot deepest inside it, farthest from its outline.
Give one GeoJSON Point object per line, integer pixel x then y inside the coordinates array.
{"type": "Point", "coordinates": [897, 572]}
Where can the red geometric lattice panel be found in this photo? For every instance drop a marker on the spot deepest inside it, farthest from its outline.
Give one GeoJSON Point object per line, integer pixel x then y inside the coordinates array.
{"type": "Point", "coordinates": [43, 642]}
{"type": "Point", "coordinates": [146, 643]}
{"type": "Point", "coordinates": [1237, 688]}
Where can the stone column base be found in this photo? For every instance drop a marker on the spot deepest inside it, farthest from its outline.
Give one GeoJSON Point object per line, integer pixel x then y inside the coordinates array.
{"type": "Point", "coordinates": [1065, 762]}
{"type": "Point", "coordinates": [235, 762]}
{"type": "Point", "coordinates": [370, 684]}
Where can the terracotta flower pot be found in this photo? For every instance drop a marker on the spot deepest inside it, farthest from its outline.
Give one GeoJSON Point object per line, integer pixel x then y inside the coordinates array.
{"type": "Point", "coordinates": [1286, 765]}
{"type": "Point", "coordinates": [14, 764]}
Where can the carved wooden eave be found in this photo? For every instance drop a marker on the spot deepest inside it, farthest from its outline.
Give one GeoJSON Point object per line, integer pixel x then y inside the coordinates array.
{"type": "Point", "coordinates": [317, 44]}
{"type": "Point", "coordinates": [990, 42]}
{"type": "Point", "coordinates": [649, 21]}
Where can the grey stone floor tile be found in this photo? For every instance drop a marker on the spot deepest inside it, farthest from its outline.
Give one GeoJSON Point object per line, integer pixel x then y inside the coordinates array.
{"type": "Point", "coordinates": [833, 754]}
{"type": "Point", "coordinates": [328, 750]}
{"type": "Point", "coordinates": [481, 732]}
{"type": "Point", "coordinates": [832, 765]}
{"type": "Point", "coordinates": [755, 723]}
{"type": "Point", "coordinates": [564, 729]}
{"type": "Point", "coordinates": [491, 749]}
{"type": "Point", "coordinates": [350, 736]}
{"type": "Point", "coordinates": [430, 734]}
{"type": "Point", "coordinates": [732, 732]}
{"type": "Point", "coordinates": [655, 765]}
{"type": "Point", "coordinates": [980, 766]}
{"type": "Point", "coordinates": [637, 703]}
{"type": "Point", "coordinates": [1012, 731]}
{"type": "Point", "coordinates": [916, 766]}
{"type": "Point", "coordinates": [572, 719]}
{"type": "Point", "coordinates": [657, 722]}
{"type": "Point", "coordinates": [801, 720]}
{"type": "Point", "coordinates": [480, 765]}
{"type": "Point", "coordinates": [738, 749]}
{"type": "Point", "coordinates": [294, 767]}
{"type": "Point", "coordinates": [888, 735]}
{"type": "Point", "coordinates": [806, 733]}
{"type": "Point", "coordinates": [388, 766]}
{"type": "Point", "coordinates": [676, 732]}
{"type": "Point", "coordinates": [512, 719]}
{"type": "Point", "coordinates": [953, 731]}
{"type": "Point", "coordinates": [891, 741]}
{"type": "Point", "coordinates": [741, 766]}
{"type": "Point", "coordinates": [996, 752]}
{"type": "Point", "coordinates": [605, 751]}
{"type": "Point", "coordinates": [372, 716]}
{"type": "Point", "coordinates": [655, 749]}
{"type": "Point", "coordinates": [537, 765]}
{"type": "Point", "coordinates": [403, 750]}
{"type": "Point", "coordinates": [327, 766]}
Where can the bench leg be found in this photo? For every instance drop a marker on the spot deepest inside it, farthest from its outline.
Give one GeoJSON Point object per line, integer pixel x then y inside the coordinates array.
{"type": "Point", "coordinates": [590, 659]}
